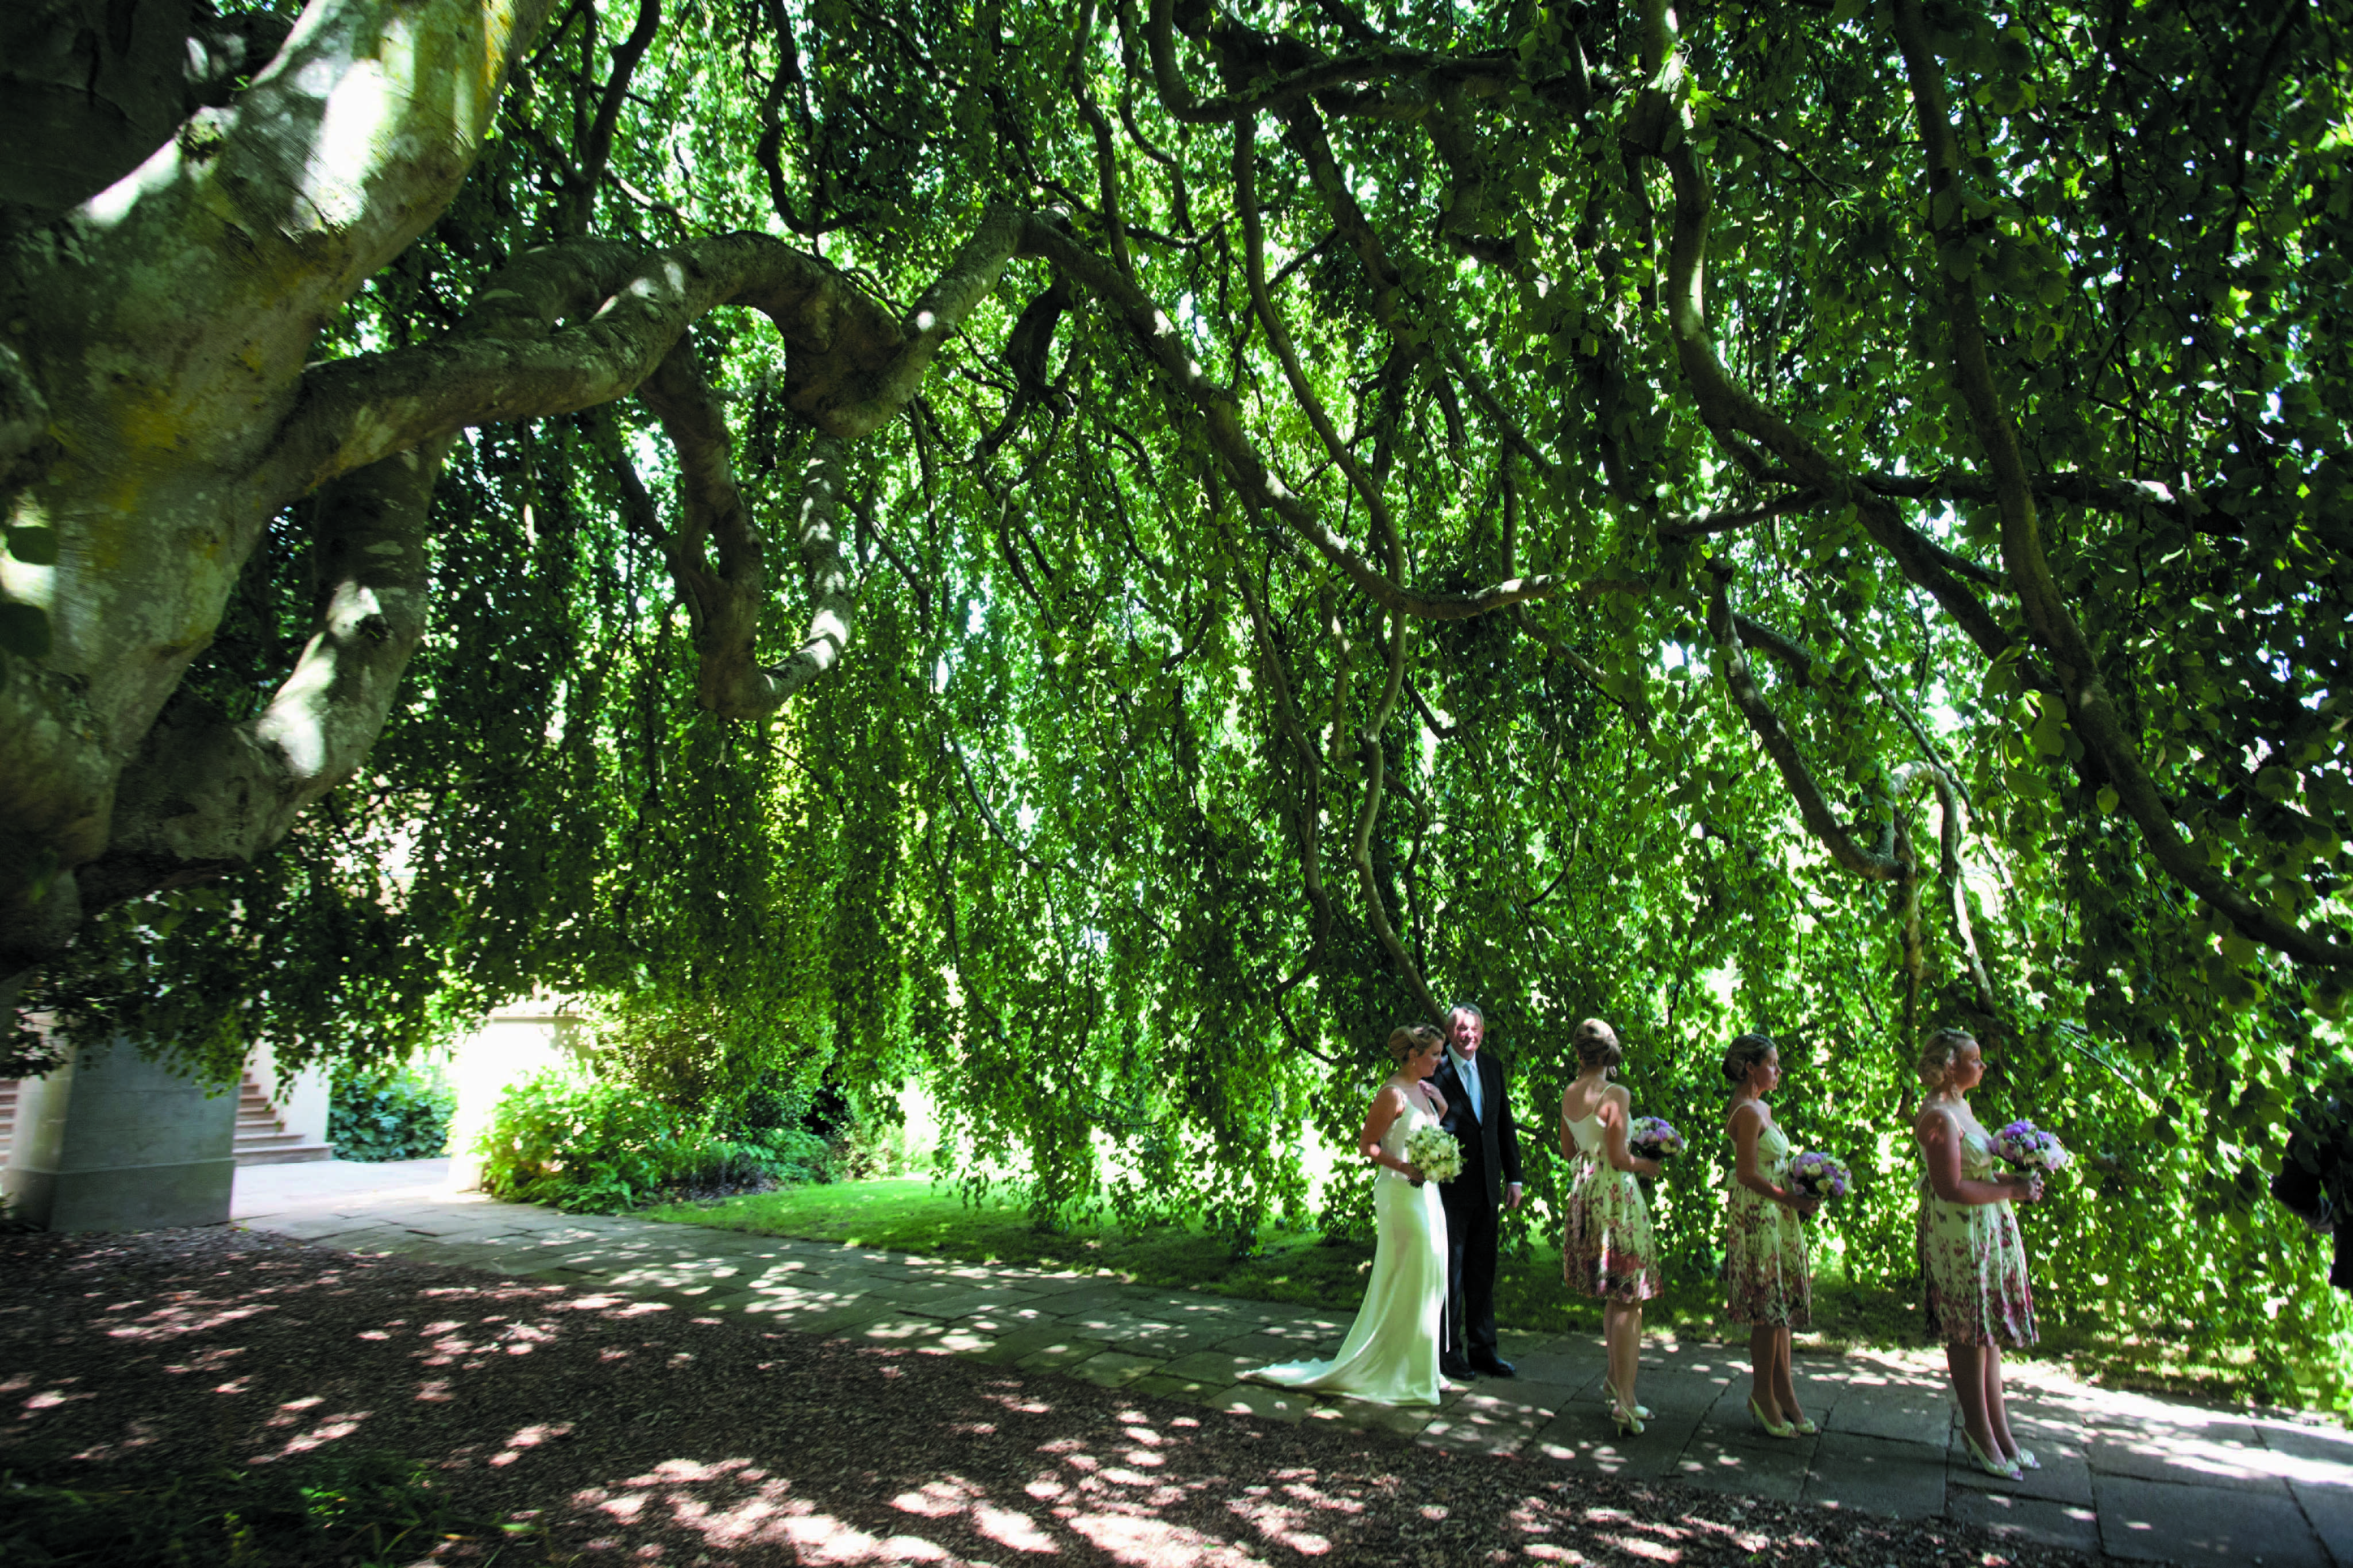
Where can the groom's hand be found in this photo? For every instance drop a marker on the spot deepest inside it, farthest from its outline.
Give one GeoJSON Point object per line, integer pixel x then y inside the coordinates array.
{"type": "Point", "coordinates": [1511, 1196]}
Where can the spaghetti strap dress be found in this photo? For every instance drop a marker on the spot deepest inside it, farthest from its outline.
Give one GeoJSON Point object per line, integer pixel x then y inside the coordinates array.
{"type": "Point", "coordinates": [1973, 1260]}
{"type": "Point", "coordinates": [1766, 1279]}
{"type": "Point", "coordinates": [1606, 1249]}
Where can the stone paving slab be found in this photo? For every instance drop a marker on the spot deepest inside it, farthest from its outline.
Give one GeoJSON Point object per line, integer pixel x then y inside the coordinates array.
{"type": "Point", "coordinates": [2331, 1510]}
{"type": "Point", "coordinates": [2124, 1476]}
{"type": "Point", "coordinates": [2071, 1525]}
{"type": "Point", "coordinates": [1876, 1475]}
{"type": "Point", "coordinates": [2167, 1522]}
{"type": "Point", "coordinates": [1726, 1458]}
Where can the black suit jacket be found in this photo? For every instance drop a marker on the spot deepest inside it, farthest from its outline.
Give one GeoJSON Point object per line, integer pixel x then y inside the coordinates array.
{"type": "Point", "coordinates": [1491, 1143]}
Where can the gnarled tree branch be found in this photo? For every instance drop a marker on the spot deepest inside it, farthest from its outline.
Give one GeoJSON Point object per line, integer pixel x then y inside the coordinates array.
{"type": "Point", "coordinates": [2091, 707]}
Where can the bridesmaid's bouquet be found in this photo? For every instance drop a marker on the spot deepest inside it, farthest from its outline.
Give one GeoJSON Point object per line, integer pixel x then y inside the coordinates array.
{"type": "Point", "coordinates": [1818, 1175]}
{"type": "Point", "coordinates": [1652, 1139]}
{"type": "Point", "coordinates": [1433, 1152]}
{"type": "Point", "coordinates": [2030, 1148]}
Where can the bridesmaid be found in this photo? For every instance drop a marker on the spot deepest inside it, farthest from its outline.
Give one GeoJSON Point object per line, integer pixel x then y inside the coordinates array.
{"type": "Point", "coordinates": [1972, 1259]}
{"type": "Point", "coordinates": [1607, 1250]}
{"type": "Point", "coordinates": [1765, 1273]}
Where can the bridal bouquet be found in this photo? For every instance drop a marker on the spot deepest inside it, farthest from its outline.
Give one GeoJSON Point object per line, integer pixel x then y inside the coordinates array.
{"type": "Point", "coordinates": [1818, 1175]}
{"type": "Point", "coordinates": [1652, 1139]}
{"type": "Point", "coordinates": [2030, 1148]}
{"type": "Point", "coordinates": [1433, 1152]}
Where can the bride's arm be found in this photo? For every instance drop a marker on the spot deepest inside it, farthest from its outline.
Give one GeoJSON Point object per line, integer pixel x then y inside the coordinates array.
{"type": "Point", "coordinates": [1385, 1109]}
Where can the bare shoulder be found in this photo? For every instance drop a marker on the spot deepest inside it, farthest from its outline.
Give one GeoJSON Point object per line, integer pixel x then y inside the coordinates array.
{"type": "Point", "coordinates": [1750, 1111]}
{"type": "Point", "coordinates": [1616, 1097]}
{"type": "Point", "coordinates": [1934, 1124]}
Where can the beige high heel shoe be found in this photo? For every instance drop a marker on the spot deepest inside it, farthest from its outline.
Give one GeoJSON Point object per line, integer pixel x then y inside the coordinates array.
{"type": "Point", "coordinates": [1992, 1467]}
{"type": "Point", "coordinates": [1770, 1428]}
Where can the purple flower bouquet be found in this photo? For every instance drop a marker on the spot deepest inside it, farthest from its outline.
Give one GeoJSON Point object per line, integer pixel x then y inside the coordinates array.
{"type": "Point", "coordinates": [2030, 1148]}
{"type": "Point", "coordinates": [1652, 1139]}
{"type": "Point", "coordinates": [1818, 1175]}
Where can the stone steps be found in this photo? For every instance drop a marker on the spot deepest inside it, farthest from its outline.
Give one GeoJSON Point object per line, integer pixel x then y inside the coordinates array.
{"type": "Point", "coordinates": [261, 1135]}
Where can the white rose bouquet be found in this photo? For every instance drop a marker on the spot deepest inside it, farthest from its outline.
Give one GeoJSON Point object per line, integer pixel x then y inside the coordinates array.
{"type": "Point", "coordinates": [1433, 1152]}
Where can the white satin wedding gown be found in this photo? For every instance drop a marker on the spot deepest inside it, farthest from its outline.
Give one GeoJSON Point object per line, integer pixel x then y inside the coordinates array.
{"type": "Point", "coordinates": [1391, 1351]}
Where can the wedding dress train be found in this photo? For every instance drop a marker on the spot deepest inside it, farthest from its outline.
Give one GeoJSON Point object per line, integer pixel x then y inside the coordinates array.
{"type": "Point", "coordinates": [1391, 1351]}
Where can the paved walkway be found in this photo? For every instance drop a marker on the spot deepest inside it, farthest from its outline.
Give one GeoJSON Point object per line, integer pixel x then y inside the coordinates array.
{"type": "Point", "coordinates": [2125, 1475]}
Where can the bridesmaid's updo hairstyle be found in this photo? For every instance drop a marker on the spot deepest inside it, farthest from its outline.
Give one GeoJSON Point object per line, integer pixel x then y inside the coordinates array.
{"type": "Point", "coordinates": [1411, 1040]}
{"type": "Point", "coordinates": [1937, 1053]}
{"type": "Point", "coordinates": [1596, 1044]}
{"type": "Point", "coordinates": [1744, 1054]}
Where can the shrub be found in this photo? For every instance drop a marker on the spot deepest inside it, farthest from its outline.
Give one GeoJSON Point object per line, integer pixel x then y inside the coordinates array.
{"type": "Point", "coordinates": [397, 1115]}
{"type": "Point", "coordinates": [868, 1148]}
{"type": "Point", "coordinates": [598, 1145]}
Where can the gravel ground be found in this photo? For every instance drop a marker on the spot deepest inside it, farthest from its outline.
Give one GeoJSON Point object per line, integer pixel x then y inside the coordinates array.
{"type": "Point", "coordinates": [636, 1433]}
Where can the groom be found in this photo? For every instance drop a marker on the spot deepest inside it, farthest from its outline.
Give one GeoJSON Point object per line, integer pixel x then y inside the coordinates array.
{"type": "Point", "coordinates": [1480, 1116]}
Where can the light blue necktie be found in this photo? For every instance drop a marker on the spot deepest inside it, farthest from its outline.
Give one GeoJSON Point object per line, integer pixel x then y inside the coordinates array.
{"type": "Point", "coordinates": [1468, 1071]}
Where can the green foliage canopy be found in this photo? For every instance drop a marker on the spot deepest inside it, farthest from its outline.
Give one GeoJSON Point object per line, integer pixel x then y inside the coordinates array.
{"type": "Point", "coordinates": [1824, 518]}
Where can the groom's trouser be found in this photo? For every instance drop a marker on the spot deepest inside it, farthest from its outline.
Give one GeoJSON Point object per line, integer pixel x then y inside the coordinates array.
{"type": "Point", "coordinates": [1471, 1236]}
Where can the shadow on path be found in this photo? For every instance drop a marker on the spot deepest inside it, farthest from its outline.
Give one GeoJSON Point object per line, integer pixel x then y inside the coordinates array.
{"type": "Point", "coordinates": [2127, 1476]}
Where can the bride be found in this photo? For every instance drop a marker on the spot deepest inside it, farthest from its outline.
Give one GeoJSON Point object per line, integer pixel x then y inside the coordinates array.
{"type": "Point", "coordinates": [1391, 1351]}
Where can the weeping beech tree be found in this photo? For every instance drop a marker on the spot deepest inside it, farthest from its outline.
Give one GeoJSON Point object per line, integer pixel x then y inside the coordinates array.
{"type": "Point", "coordinates": [1106, 553]}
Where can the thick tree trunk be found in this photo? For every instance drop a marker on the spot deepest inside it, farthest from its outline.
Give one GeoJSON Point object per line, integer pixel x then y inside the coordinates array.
{"type": "Point", "coordinates": [158, 332]}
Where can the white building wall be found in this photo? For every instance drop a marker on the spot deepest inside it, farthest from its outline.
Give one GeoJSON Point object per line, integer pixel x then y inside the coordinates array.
{"type": "Point", "coordinates": [513, 1043]}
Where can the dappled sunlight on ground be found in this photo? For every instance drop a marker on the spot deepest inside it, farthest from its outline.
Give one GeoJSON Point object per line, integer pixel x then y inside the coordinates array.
{"type": "Point", "coordinates": [635, 1431]}
{"type": "Point", "coordinates": [642, 1394]}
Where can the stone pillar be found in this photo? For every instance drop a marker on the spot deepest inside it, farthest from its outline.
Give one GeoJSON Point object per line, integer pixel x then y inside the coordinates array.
{"type": "Point", "coordinates": [112, 1140]}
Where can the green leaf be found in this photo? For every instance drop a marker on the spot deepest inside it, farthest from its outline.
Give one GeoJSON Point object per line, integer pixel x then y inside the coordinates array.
{"type": "Point", "coordinates": [34, 546]}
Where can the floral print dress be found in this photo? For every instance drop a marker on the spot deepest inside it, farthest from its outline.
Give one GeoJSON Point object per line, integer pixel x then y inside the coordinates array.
{"type": "Point", "coordinates": [1607, 1250]}
{"type": "Point", "coordinates": [1766, 1281]}
{"type": "Point", "coordinates": [1973, 1259]}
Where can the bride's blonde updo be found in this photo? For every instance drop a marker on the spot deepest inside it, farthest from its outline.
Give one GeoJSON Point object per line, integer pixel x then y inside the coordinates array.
{"type": "Point", "coordinates": [1411, 1040]}
{"type": "Point", "coordinates": [1596, 1044]}
{"type": "Point", "coordinates": [1937, 1054]}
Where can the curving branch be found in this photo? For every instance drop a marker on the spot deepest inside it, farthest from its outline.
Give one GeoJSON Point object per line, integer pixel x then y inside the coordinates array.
{"type": "Point", "coordinates": [1727, 521]}
{"type": "Point", "coordinates": [595, 149]}
{"type": "Point", "coordinates": [2091, 707]}
{"type": "Point", "coordinates": [1657, 128]}
{"type": "Point", "coordinates": [205, 795]}
{"type": "Point", "coordinates": [1495, 67]}
{"type": "Point", "coordinates": [1793, 656]}
{"type": "Point", "coordinates": [1278, 337]}
{"type": "Point", "coordinates": [1881, 863]}
{"type": "Point", "coordinates": [1219, 415]}
{"type": "Point", "coordinates": [1368, 811]}
{"type": "Point", "coordinates": [726, 605]}
{"type": "Point", "coordinates": [536, 347]}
